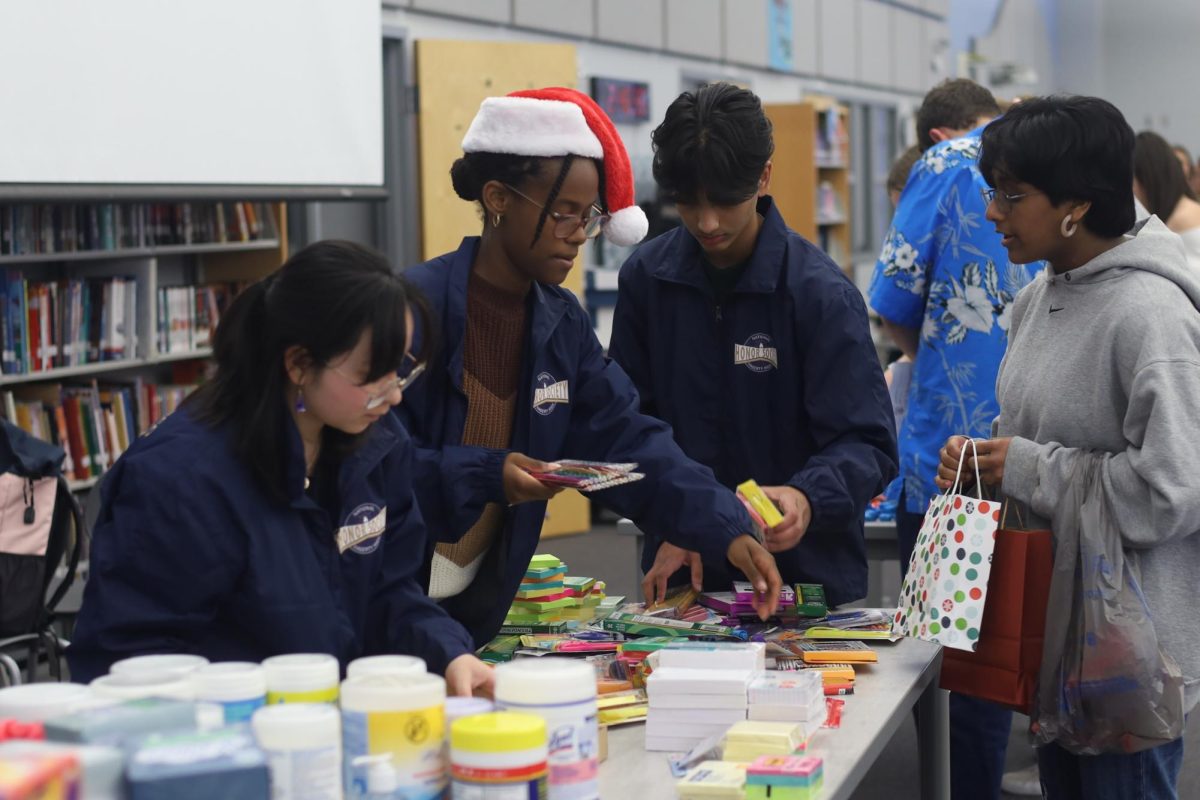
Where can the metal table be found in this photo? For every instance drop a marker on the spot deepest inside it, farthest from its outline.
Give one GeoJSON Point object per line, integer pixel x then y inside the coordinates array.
{"type": "Point", "coordinates": [905, 677]}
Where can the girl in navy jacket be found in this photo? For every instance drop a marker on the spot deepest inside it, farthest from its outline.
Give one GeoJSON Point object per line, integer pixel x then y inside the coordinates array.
{"type": "Point", "coordinates": [521, 379]}
{"type": "Point", "coordinates": [274, 511]}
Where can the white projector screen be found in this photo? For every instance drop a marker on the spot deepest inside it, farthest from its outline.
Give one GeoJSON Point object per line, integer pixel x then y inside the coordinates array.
{"type": "Point", "coordinates": [266, 93]}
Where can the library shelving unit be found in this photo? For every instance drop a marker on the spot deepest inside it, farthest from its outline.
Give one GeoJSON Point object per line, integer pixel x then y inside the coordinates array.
{"type": "Point", "coordinates": [107, 309]}
{"type": "Point", "coordinates": [810, 178]}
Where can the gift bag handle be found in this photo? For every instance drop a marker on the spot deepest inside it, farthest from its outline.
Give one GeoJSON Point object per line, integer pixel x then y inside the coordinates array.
{"type": "Point", "coordinates": [958, 473]}
{"type": "Point", "coordinates": [1009, 503]}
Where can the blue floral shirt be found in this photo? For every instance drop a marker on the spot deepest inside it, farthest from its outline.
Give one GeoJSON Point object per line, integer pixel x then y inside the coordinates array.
{"type": "Point", "coordinates": [944, 271]}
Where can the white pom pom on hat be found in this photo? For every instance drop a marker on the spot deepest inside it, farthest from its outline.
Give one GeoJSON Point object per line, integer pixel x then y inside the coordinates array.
{"type": "Point", "coordinates": [554, 122]}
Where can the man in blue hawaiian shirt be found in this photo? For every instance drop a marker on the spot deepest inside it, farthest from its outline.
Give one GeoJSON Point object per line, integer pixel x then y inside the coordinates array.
{"type": "Point", "coordinates": [944, 287]}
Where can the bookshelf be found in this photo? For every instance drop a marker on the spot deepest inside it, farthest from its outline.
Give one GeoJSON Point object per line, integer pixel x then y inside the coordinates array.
{"type": "Point", "coordinates": [107, 312]}
{"type": "Point", "coordinates": [811, 174]}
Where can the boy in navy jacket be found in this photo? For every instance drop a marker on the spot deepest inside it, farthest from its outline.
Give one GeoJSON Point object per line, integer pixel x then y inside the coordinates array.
{"type": "Point", "coordinates": [755, 347]}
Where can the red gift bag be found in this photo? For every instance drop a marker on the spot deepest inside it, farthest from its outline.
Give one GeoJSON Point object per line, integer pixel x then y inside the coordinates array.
{"type": "Point", "coordinates": [1005, 665]}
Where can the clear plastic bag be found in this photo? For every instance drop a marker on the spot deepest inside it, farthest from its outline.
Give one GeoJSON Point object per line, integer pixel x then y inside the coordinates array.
{"type": "Point", "coordinates": [1105, 684]}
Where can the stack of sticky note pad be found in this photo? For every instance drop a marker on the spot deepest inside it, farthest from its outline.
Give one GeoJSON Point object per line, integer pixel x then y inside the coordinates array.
{"type": "Point", "coordinates": [747, 740]}
{"type": "Point", "coordinates": [547, 595]}
{"type": "Point", "coordinates": [698, 690]}
{"type": "Point", "coordinates": [788, 697]}
{"type": "Point", "coordinates": [784, 778]}
{"type": "Point", "coordinates": [713, 780]}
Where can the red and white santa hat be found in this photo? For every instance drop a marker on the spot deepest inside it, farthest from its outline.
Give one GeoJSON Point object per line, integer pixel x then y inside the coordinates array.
{"type": "Point", "coordinates": [554, 122]}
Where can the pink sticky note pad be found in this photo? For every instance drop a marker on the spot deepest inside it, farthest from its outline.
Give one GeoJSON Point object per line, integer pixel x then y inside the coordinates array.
{"type": "Point", "coordinates": [786, 766]}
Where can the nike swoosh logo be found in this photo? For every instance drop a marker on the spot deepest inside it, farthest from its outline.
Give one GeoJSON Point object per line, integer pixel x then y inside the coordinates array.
{"type": "Point", "coordinates": [1052, 309]}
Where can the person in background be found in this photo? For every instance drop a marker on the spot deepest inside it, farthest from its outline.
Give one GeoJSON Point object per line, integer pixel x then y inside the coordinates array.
{"type": "Point", "coordinates": [756, 349]}
{"type": "Point", "coordinates": [273, 512]}
{"type": "Point", "coordinates": [521, 371]}
{"type": "Point", "coordinates": [898, 373]}
{"type": "Point", "coordinates": [1185, 161]}
{"type": "Point", "coordinates": [944, 287]}
{"type": "Point", "coordinates": [897, 177]}
{"type": "Point", "coordinates": [1162, 187]}
{"type": "Point", "coordinates": [1103, 358]}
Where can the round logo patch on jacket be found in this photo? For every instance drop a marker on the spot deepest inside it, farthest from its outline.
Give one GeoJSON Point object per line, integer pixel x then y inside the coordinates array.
{"type": "Point", "coordinates": [362, 530]}
{"type": "Point", "coordinates": [758, 354]}
{"type": "Point", "coordinates": [548, 393]}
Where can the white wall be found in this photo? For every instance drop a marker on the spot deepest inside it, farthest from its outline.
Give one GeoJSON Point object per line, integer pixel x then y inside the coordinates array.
{"type": "Point", "coordinates": [1150, 62]}
{"type": "Point", "coordinates": [1020, 36]}
{"type": "Point", "coordinates": [1142, 55]}
{"type": "Point", "coordinates": [666, 71]}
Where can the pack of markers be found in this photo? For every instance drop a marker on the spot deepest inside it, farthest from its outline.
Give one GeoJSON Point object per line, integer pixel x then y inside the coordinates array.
{"type": "Point", "coordinates": [589, 476]}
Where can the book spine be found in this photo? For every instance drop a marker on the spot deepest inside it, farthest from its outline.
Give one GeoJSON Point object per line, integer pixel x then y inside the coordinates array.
{"type": "Point", "coordinates": [64, 439]}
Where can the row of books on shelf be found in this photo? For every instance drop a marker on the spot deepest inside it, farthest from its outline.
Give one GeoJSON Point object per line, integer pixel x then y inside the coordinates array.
{"type": "Point", "coordinates": [68, 323]}
{"type": "Point", "coordinates": [94, 424]}
{"type": "Point", "coordinates": [188, 315]}
{"type": "Point", "coordinates": [45, 228]}
{"type": "Point", "coordinates": [829, 207]}
{"type": "Point", "coordinates": [833, 139]}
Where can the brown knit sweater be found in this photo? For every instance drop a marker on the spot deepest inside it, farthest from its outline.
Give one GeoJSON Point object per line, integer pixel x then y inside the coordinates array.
{"type": "Point", "coordinates": [492, 352]}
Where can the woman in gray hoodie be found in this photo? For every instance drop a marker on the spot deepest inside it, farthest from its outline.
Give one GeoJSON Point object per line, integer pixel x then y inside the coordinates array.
{"type": "Point", "coordinates": [1103, 356]}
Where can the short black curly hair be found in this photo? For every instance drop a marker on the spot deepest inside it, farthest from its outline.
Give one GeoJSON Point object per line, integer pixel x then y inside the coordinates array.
{"type": "Point", "coordinates": [1069, 147]}
{"type": "Point", "coordinates": [716, 142]}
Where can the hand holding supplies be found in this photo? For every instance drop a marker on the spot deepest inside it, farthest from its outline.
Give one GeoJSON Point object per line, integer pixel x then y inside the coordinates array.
{"type": "Point", "coordinates": [945, 587]}
{"type": "Point", "coordinates": [587, 476]}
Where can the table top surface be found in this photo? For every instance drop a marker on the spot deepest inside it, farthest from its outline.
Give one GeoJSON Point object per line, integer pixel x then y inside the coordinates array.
{"type": "Point", "coordinates": [883, 695]}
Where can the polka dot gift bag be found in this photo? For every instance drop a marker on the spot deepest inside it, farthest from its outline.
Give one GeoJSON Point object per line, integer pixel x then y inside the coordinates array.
{"type": "Point", "coordinates": [981, 589]}
{"type": "Point", "coordinates": [945, 587]}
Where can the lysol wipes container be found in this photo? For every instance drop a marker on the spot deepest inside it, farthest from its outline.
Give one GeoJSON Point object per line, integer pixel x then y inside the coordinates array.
{"type": "Point", "coordinates": [563, 693]}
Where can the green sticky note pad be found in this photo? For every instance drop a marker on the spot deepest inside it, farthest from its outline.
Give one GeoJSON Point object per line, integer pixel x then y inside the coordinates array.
{"type": "Point", "coordinates": [810, 600]}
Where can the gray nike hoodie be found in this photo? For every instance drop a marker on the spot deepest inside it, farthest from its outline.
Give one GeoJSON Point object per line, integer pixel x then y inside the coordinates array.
{"type": "Point", "coordinates": [1106, 357]}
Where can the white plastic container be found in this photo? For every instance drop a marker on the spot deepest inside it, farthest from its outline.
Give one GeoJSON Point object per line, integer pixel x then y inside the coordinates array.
{"type": "Point", "coordinates": [239, 687]}
{"type": "Point", "coordinates": [38, 702]}
{"type": "Point", "coordinates": [398, 714]}
{"type": "Point", "coordinates": [459, 707]}
{"type": "Point", "coordinates": [563, 693]}
{"type": "Point", "coordinates": [302, 678]}
{"type": "Point", "coordinates": [498, 756]}
{"type": "Point", "coordinates": [136, 686]}
{"type": "Point", "coordinates": [386, 665]}
{"type": "Point", "coordinates": [175, 665]}
{"type": "Point", "coordinates": [303, 743]}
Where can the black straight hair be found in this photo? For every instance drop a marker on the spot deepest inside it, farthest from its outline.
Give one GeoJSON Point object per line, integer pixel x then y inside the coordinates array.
{"type": "Point", "coordinates": [1071, 148]}
{"type": "Point", "coordinates": [714, 142]}
{"type": "Point", "coordinates": [473, 171]}
{"type": "Point", "coordinates": [1158, 170]}
{"type": "Point", "coordinates": [322, 299]}
{"type": "Point", "coordinates": [956, 103]}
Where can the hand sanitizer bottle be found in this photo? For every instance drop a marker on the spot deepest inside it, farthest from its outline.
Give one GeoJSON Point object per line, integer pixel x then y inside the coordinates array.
{"type": "Point", "coordinates": [382, 782]}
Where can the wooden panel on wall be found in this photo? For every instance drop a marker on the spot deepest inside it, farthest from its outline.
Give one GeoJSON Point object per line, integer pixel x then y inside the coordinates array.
{"type": "Point", "coordinates": [453, 78]}
{"type": "Point", "coordinates": [793, 171]}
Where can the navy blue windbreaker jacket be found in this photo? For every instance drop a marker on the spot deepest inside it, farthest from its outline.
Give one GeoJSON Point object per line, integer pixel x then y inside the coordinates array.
{"type": "Point", "coordinates": [189, 555]}
{"type": "Point", "coordinates": [572, 403]}
{"type": "Point", "coordinates": [781, 384]}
